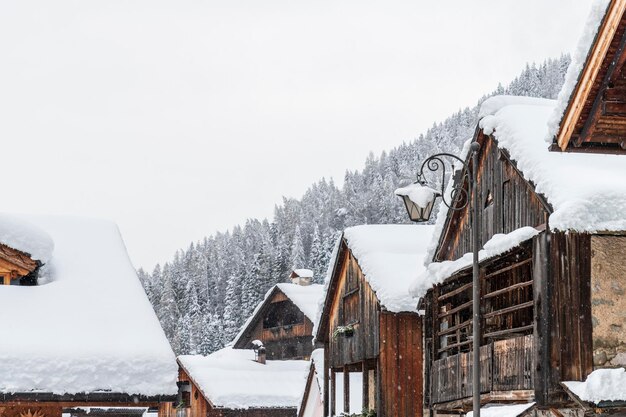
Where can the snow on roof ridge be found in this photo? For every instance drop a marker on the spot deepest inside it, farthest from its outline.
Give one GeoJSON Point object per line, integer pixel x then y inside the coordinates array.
{"type": "Point", "coordinates": [585, 43]}
{"type": "Point", "coordinates": [601, 385]}
{"type": "Point", "coordinates": [437, 272]}
{"type": "Point", "coordinates": [492, 105]}
{"type": "Point", "coordinates": [390, 256]}
{"type": "Point", "coordinates": [230, 378]}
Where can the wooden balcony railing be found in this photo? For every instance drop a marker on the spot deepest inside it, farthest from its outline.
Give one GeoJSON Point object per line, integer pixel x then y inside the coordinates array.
{"type": "Point", "coordinates": [284, 332]}
{"type": "Point", "coordinates": [506, 365]}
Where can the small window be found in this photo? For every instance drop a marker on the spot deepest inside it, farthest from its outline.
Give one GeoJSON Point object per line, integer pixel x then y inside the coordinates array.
{"type": "Point", "coordinates": [283, 313]}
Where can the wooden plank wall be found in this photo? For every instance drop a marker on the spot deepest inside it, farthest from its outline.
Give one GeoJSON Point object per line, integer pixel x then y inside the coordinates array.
{"type": "Point", "coordinates": [514, 204]}
{"type": "Point", "coordinates": [400, 365]}
{"type": "Point", "coordinates": [571, 354]}
{"type": "Point", "coordinates": [364, 344]}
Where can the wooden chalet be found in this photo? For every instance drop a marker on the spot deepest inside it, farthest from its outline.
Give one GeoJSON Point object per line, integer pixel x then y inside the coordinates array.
{"type": "Point", "coordinates": [553, 232]}
{"type": "Point", "coordinates": [370, 328]}
{"type": "Point", "coordinates": [84, 334]}
{"type": "Point", "coordinates": [283, 321]}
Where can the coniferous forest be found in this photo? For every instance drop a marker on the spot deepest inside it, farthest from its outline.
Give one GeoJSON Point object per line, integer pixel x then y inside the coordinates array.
{"type": "Point", "coordinates": [205, 292]}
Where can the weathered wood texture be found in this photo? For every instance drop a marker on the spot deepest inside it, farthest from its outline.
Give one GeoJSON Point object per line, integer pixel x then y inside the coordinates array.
{"type": "Point", "coordinates": [595, 118]}
{"type": "Point", "coordinates": [284, 330]}
{"type": "Point", "coordinates": [506, 365]}
{"type": "Point", "coordinates": [353, 303]}
{"type": "Point", "coordinates": [508, 202]}
{"type": "Point", "coordinates": [401, 365]}
{"type": "Point", "coordinates": [571, 344]}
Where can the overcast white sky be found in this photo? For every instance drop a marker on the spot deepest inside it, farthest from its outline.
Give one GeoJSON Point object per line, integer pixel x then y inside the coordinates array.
{"type": "Point", "coordinates": [180, 118]}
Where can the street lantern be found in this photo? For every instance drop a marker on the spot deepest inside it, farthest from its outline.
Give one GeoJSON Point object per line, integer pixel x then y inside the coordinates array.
{"type": "Point", "coordinates": [419, 200]}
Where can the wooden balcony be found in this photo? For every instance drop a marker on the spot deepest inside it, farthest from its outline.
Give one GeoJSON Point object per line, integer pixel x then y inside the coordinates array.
{"type": "Point", "coordinates": [285, 332]}
{"type": "Point", "coordinates": [506, 365]}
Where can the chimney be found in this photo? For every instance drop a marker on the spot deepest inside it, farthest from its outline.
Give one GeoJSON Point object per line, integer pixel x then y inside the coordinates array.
{"type": "Point", "coordinates": [301, 277]}
{"type": "Point", "coordinates": [261, 355]}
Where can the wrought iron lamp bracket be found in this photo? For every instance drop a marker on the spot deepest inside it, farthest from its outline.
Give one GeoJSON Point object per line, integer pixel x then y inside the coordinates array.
{"type": "Point", "coordinates": [460, 191]}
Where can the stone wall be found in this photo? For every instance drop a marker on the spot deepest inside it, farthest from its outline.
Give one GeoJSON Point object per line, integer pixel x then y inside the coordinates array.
{"type": "Point", "coordinates": [608, 300]}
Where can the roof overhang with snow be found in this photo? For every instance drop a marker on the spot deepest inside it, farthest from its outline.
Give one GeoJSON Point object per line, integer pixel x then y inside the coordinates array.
{"type": "Point", "coordinates": [592, 103]}
{"type": "Point", "coordinates": [583, 193]}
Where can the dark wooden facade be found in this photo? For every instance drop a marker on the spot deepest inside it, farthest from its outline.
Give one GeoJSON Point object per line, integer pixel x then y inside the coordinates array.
{"type": "Point", "coordinates": [535, 300]}
{"type": "Point", "coordinates": [195, 404]}
{"type": "Point", "coordinates": [385, 347]}
{"type": "Point", "coordinates": [283, 328]}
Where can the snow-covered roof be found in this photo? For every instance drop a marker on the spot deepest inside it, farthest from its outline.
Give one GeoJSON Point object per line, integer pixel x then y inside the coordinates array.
{"type": "Point", "coordinates": [304, 273]}
{"type": "Point", "coordinates": [574, 71]}
{"type": "Point", "coordinates": [436, 272]}
{"type": "Point", "coordinates": [390, 256]}
{"type": "Point", "coordinates": [317, 359]}
{"type": "Point", "coordinates": [26, 237]}
{"type": "Point", "coordinates": [586, 191]}
{"type": "Point", "coordinates": [91, 328]}
{"type": "Point", "coordinates": [500, 410]}
{"type": "Point", "coordinates": [305, 297]}
{"type": "Point", "coordinates": [231, 378]}
{"type": "Point", "coordinates": [601, 385]}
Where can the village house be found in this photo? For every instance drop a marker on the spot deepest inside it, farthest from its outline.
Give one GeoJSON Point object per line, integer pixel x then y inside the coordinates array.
{"type": "Point", "coordinates": [263, 371]}
{"type": "Point", "coordinates": [553, 237]}
{"type": "Point", "coordinates": [83, 333]}
{"type": "Point", "coordinates": [370, 327]}
{"type": "Point", "coordinates": [283, 321]}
